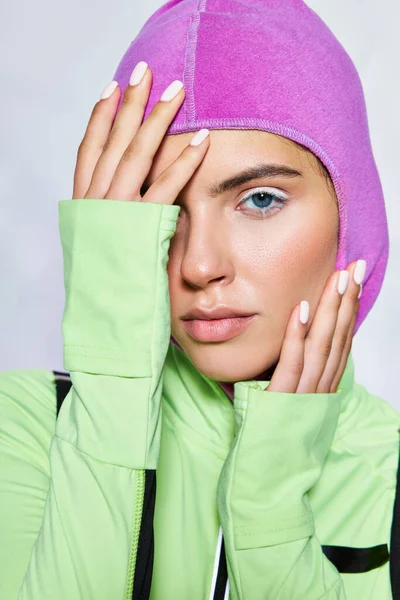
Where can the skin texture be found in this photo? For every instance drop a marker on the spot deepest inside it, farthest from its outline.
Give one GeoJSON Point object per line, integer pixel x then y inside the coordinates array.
{"type": "Point", "coordinates": [250, 256]}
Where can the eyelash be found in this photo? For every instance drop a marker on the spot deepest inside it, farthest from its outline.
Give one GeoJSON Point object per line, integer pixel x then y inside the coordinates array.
{"type": "Point", "coordinates": [264, 191]}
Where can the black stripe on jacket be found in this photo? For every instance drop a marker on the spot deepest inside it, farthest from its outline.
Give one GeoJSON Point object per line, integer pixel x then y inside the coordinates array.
{"type": "Point", "coordinates": [222, 574]}
{"type": "Point", "coordinates": [395, 541]}
{"type": "Point", "coordinates": [345, 559]}
{"type": "Point", "coordinates": [145, 551]}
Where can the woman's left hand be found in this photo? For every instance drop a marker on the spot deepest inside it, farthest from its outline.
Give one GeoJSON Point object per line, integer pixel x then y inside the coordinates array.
{"type": "Point", "coordinates": [315, 363]}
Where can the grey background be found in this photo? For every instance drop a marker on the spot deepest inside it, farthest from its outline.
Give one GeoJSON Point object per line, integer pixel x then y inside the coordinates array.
{"type": "Point", "coordinates": [55, 60]}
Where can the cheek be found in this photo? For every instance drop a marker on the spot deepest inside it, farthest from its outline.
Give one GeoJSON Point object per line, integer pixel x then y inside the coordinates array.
{"type": "Point", "coordinates": [289, 258]}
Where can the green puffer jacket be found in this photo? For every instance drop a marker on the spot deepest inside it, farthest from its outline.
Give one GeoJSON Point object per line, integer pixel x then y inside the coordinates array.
{"type": "Point", "coordinates": [147, 482]}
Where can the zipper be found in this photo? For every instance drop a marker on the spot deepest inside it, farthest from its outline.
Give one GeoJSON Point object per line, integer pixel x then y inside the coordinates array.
{"type": "Point", "coordinates": [137, 519]}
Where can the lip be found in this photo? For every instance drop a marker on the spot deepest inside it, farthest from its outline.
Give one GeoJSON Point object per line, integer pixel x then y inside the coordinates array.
{"type": "Point", "coordinates": [221, 312]}
{"type": "Point", "coordinates": [217, 330]}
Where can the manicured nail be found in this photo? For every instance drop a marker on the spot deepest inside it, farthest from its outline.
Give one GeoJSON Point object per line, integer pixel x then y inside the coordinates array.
{"type": "Point", "coordinates": [360, 292]}
{"type": "Point", "coordinates": [138, 73]}
{"type": "Point", "coordinates": [199, 137]}
{"type": "Point", "coordinates": [359, 271]}
{"type": "Point", "coordinates": [304, 311]}
{"type": "Point", "coordinates": [108, 90]}
{"type": "Point", "coordinates": [343, 282]}
{"type": "Point", "coordinates": [172, 90]}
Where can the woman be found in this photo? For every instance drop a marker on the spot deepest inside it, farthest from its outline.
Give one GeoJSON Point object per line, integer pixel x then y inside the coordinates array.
{"type": "Point", "coordinates": [242, 460]}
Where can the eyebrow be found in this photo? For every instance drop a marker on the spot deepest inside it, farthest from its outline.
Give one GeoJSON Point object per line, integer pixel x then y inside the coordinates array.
{"type": "Point", "coordinates": [258, 172]}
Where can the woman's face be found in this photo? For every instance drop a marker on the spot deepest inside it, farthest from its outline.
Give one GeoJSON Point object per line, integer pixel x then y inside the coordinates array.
{"type": "Point", "coordinates": [262, 255]}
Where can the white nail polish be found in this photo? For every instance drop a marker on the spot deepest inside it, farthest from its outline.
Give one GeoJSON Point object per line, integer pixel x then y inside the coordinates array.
{"type": "Point", "coordinates": [172, 90]}
{"type": "Point", "coordinates": [343, 282]}
{"type": "Point", "coordinates": [199, 137]}
{"type": "Point", "coordinates": [138, 73]}
{"type": "Point", "coordinates": [304, 311]}
{"type": "Point", "coordinates": [359, 271]}
{"type": "Point", "coordinates": [108, 90]}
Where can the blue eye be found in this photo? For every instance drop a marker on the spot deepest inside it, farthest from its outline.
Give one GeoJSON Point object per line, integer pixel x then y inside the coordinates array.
{"type": "Point", "coordinates": [263, 199]}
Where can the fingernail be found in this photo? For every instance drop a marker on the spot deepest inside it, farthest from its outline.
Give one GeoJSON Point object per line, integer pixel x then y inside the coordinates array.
{"type": "Point", "coordinates": [360, 292]}
{"type": "Point", "coordinates": [304, 311]}
{"type": "Point", "coordinates": [343, 282]}
{"type": "Point", "coordinates": [199, 137]}
{"type": "Point", "coordinates": [108, 90]}
{"type": "Point", "coordinates": [138, 73]}
{"type": "Point", "coordinates": [172, 90]}
{"type": "Point", "coordinates": [359, 271]}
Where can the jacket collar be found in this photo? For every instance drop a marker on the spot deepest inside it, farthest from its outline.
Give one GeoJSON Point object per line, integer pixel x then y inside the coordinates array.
{"type": "Point", "coordinates": [200, 404]}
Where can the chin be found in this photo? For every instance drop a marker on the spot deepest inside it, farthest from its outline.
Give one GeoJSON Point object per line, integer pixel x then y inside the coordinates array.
{"type": "Point", "coordinates": [228, 364]}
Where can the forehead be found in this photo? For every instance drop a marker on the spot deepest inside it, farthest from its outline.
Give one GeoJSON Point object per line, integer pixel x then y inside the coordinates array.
{"type": "Point", "coordinates": [231, 150]}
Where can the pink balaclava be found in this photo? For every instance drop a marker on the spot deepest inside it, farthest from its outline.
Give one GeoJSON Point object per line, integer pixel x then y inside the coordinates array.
{"type": "Point", "coordinates": [273, 65]}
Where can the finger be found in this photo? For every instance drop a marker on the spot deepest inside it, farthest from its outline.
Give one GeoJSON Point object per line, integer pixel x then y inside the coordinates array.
{"type": "Point", "coordinates": [95, 137]}
{"type": "Point", "coordinates": [138, 158]}
{"type": "Point", "coordinates": [318, 342]}
{"type": "Point", "coordinates": [347, 314]}
{"type": "Point", "coordinates": [169, 184]}
{"type": "Point", "coordinates": [345, 356]}
{"type": "Point", "coordinates": [291, 361]}
{"type": "Point", "coordinates": [126, 125]}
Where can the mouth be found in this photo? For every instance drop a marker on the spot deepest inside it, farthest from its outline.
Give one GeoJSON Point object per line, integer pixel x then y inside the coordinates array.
{"type": "Point", "coordinates": [217, 330]}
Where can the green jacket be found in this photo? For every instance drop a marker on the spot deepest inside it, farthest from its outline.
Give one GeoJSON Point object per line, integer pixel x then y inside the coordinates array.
{"type": "Point", "coordinates": [149, 475]}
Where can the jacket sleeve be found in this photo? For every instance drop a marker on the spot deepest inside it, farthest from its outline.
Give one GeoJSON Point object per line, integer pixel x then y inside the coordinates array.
{"type": "Point", "coordinates": [280, 445]}
{"type": "Point", "coordinates": [27, 422]}
{"type": "Point", "coordinates": [103, 456]}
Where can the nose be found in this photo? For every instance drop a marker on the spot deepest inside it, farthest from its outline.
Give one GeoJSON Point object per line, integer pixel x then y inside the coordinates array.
{"type": "Point", "coordinates": [207, 256]}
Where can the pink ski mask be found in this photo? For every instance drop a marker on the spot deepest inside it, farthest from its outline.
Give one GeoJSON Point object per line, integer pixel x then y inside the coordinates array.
{"type": "Point", "coordinates": [228, 53]}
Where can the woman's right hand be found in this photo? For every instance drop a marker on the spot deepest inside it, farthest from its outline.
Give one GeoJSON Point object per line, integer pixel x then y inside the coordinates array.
{"type": "Point", "coordinates": [116, 153]}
